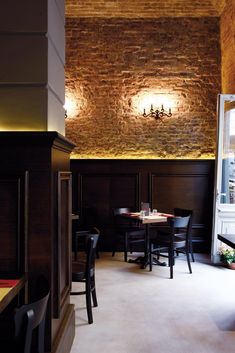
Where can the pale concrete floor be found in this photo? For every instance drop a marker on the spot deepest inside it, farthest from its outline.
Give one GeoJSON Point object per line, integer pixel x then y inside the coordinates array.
{"type": "Point", "coordinates": [146, 312]}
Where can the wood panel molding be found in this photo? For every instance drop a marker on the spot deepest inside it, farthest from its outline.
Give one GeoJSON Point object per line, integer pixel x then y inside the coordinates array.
{"type": "Point", "coordinates": [45, 155]}
{"type": "Point", "coordinates": [190, 191]}
{"type": "Point", "coordinates": [165, 184]}
{"type": "Point", "coordinates": [109, 188]}
{"type": "Point", "coordinates": [14, 223]}
{"type": "Point", "coordinates": [63, 242]}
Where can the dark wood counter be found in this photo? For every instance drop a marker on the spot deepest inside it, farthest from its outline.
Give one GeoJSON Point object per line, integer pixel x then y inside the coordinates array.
{"type": "Point", "coordinates": [228, 239]}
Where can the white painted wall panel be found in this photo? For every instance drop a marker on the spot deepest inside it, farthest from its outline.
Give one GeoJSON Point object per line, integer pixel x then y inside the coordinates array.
{"type": "Point", "coordinates": [23, 108]}
{"type": "Point", "coordinates": [56, 119]}
{"type": "Point", "coordinates": [61, 7]}
{"type": "Point", "coordinates": [24, 59]}
{"type": "Point", "coordinates": [23, 16]}
{"type": "Point", "coordinates": [32, 38]}
{"type": "Point", "coordinates": [56, 30]}
{"type": "Point", "coordinates": [56, 77]}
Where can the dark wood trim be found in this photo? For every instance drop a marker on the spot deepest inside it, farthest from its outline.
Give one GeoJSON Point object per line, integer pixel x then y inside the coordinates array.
{"type": "Point", "coordinates": [189, 176]}
{"type": "Point", "coordinates": [12, 293]}
{"type": "Point", "coordinates": [65, 335]}
{"type": "Point", "coordinates": [50, 139]}
{"type": "Point", "coordinates": [151, 174]}
{"type": "Point", "coordinates": [82, 176]}
{"type": "Point", "coordinates": [63, 229]}
{"type": "Point", "coordinates": [19, 180]}
{"type": "Point", "coordinates": [43, 155]}
{"type": "Point", "coordinates": [228, 239]}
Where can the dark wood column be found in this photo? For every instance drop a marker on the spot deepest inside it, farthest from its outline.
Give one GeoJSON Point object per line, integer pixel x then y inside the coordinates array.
{"type": "Point", "coordinates": [35, 187]}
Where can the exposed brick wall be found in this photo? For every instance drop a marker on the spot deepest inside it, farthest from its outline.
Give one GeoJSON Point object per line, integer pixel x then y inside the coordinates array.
{"type": "Point", "coordinates": [219, 5]}
{"type": "Point", "coordinates": [142, 8]}
{"type": "Point", "coordinates": [110, 61]}
{"type": "Point", "coordinates": [228, 47]}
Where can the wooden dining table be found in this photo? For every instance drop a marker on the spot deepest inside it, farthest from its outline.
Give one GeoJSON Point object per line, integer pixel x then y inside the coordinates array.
{"type": "Point", "coordinates": [147, 221]}
{"type": "Point", "coordinates": [9, 289]}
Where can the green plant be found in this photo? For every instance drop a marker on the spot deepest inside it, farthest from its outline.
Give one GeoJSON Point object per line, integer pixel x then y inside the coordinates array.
{"type": "Point", "coordinates": [227, 254]}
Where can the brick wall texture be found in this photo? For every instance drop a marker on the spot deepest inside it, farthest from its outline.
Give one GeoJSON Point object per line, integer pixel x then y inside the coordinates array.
{"type": "Point", "coordinates": [228, 47]}
{"type": "Point", "coordinates": [219, 5]}
{"type": "Point", "coordinates": [143, 8]}
{"type": "Point", "coordinates": [110, 62]}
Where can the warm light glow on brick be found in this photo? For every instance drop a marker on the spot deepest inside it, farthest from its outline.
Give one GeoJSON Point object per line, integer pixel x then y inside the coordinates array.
{"type": "Point", "coordinates": [125, 156]}
{"type": "Point", "coordinates": [21, 123]}
{"type": "Point", "coordinates": [143, 9]}
{"type": "Point", "coordinates": [13, 128]}
{"type": "Point", "coordinates": [118, 67]}
{"type": "Point", "coordinates": [73, 105]}
{"type": "Point", "coordinates": [144, 100]}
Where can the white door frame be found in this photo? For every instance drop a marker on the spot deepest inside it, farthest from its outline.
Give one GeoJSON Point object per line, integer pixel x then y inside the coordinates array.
{"type": "Point", "coordinates": [223, 214]}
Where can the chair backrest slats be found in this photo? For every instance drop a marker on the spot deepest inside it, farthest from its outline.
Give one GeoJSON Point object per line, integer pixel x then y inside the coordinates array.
{"type": "Point", "coordinates": [181, 212]}
{"type": "Point", "coordinates": [179, 226]}
{"type": "Point", "coordinates": [28, 318]}
{"type": "Point", "coordinates": [118, 211]}
{"type": "Point", "coordinates": [91, 244]}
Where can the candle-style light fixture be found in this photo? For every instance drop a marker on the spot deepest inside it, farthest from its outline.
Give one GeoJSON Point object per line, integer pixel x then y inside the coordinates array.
{"type": "Point", "coordinates": [157, 114]}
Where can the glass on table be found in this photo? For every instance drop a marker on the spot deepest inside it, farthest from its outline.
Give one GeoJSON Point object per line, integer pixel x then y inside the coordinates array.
{"type": "Point", "coordinates": [142, 214]}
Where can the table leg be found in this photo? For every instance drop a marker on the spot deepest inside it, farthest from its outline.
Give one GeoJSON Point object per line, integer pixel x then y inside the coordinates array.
{"type": "Point", "coordinates": [144, 260]}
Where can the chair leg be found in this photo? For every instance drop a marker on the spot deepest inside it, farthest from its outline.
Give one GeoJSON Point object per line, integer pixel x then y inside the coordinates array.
{"type": "Point", "coordinates": [150, 257]}
{"type": "Point", "coordinates": [88, 302]}
{"type": "Point", "coordinates": [191, 251]}
{"type": "Point", "coordinates": [114, 245]}
{"type": "Point", "coordinates": [131, 247]}
{"type": "Point", "coordinates": [188, 261]}
{"type": "Point", "coordinates": [125, 247]}
{"type": "Point", "coordinates": [171, 261]}
{"type": "Point", "coordinates": [93, 292]}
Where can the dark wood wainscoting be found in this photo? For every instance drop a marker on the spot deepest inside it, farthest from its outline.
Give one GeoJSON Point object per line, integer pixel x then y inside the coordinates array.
{"type": "Point", "coordinates": [35, 214]}
{"type": "Point", "coordinates": [62, 277]}
{"type": "Point", "coordinates": [101, 185]}
{"type": "Point", "coordinates": [13, 219]}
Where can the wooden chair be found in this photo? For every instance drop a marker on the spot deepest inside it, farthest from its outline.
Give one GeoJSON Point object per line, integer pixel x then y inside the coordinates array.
{"type": "Point", "coordinates": [78, 241]}
{"type": "Point", "coordinates": [29, 320]}
{"type": "Point", "coordinates": [176, 240]}
{"type": "Point", "coordinates": [84, 271]}
{"type": "Point", "coordinates": [164, 229]}
{"type": "Point", "coordinates": [181, 212]}
{"type": "Point", "coordinates": [87, 224]}
{"type": "Point", "coordinates": [128, 233]}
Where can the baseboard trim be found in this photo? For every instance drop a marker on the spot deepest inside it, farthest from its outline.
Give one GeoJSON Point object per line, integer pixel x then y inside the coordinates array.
{"type": "Point", "coordinates": [65, 335]}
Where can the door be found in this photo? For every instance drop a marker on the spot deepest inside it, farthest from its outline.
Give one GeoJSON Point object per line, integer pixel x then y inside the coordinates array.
{"type": "Point", "coordinates": [224, 194]}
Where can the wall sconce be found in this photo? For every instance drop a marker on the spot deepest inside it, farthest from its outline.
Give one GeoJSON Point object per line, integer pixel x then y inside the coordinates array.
{"type": "Point", "coordinates": [157, 114]}
{"type": "Point", "coordinates": [65, 106]}
{"type": "Point", "coordinates": [71, 106]}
